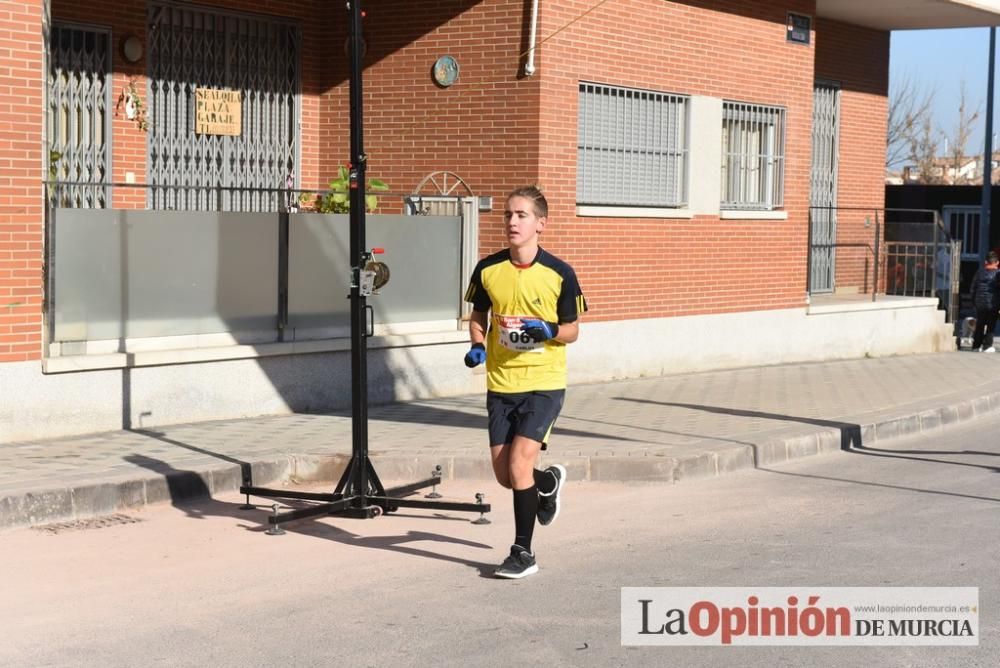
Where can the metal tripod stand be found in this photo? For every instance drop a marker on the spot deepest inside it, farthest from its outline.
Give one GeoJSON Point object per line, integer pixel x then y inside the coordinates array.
{"type": "Point", "coordinates": [359, 493]}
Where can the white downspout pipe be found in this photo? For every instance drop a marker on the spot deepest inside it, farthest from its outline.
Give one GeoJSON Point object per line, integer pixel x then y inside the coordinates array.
{"type": "Point", "coordinates": [529, 67]}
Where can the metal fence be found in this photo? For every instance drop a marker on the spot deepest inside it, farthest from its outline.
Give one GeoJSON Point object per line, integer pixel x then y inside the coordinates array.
{"type": "Point", "coordinates": [925, 269]}
{"type": "Point", "coordinates": [894, 252]}
{"type": "Point", "coordinates": [135, 273]}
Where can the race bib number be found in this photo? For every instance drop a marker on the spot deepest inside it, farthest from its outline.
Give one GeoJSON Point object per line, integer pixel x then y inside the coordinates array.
{"type": "Point", "coordinates": [511, 337]}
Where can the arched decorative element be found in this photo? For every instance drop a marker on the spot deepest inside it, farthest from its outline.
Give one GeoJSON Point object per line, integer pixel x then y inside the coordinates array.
{"type": "Point", "coordinates": [443, 183]}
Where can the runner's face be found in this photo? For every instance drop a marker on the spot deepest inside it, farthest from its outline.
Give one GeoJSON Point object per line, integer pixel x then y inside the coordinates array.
{"type": "Point", "coordinates": [520, 222]}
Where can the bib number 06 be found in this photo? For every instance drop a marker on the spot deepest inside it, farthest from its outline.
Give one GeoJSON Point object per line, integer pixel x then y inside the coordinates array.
{"type": "Point", "coordinates": [519, 337]}
{"type": "Point", "coordinates": [511, 337]}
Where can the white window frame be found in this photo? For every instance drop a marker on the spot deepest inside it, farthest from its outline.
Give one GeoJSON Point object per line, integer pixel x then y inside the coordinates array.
{"type": "Point", "coordinates": [753, 157]}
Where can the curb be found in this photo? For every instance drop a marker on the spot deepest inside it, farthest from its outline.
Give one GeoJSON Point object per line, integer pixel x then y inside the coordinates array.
{"type": "Point", "coordinates": [96, 499]}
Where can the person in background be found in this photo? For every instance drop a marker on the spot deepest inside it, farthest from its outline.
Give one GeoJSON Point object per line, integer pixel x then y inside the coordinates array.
{"type": "Point", "coordinates": [942, 275]}
{"type": "Point", "coordinates": [986, 298]}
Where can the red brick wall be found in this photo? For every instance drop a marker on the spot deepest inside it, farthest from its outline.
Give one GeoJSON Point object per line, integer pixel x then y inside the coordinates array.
{"type": "Point", "coordinates": [498, 129]}
{"type": "Point", "coordinates": [858, 59]}
{"type": "Point", "coordinates": [482, 128]}
{"type": "Point", "coordinates": [731, 50]}
{"type": "Point", "coordinates": [21, 177]}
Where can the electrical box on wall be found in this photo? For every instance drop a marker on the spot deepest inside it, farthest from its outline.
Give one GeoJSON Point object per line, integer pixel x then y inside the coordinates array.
{"type": "Point", "coordinates": [799, 27]}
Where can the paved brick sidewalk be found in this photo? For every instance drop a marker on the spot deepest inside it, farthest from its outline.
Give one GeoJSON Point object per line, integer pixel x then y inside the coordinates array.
{"type": "Point", "coordinates": [667, 429]}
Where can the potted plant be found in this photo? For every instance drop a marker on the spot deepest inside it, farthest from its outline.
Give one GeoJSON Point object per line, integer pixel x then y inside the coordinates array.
{"type": "Point", "coordinates": [338, 200]}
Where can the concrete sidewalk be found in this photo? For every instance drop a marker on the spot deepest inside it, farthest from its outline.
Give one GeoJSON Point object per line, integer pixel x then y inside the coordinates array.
{"type": "Point", "coordinates": [664, 429]}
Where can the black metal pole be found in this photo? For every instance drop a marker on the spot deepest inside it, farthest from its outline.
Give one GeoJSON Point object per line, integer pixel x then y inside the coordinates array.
{"type": "Point", "coordinates": [809, 255]}
{"type": "Point", "coordinates": [359, 493]}
{"type": "Point", "coordinates": [875, 262]}
{"type": "Point", "coordinates": [283, 232]}
{"type": "Point", "coordinates": [359, 343]}
{"type": "Point", "coordinates": [984, 219]}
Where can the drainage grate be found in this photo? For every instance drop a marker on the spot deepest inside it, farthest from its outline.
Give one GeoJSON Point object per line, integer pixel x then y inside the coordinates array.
{"type": "Point", "coordinates": [92, 523]}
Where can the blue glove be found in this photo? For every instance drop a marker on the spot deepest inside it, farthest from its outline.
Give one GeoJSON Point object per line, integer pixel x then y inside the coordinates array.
{"type": "Point", "coordinates": [476, 355]}
{"type": "Point", "coordinates": [539, 330]}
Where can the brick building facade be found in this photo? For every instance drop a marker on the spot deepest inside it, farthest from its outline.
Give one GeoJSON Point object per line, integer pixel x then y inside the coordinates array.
{"type": "Point", "coordinates": [498, 127]}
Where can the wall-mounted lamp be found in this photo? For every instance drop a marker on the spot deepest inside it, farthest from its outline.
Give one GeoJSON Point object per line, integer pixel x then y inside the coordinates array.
{"type": "Point", "coordinates": [131, 49]}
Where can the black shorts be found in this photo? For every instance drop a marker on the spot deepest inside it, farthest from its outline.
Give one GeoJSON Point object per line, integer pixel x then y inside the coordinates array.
{"type": "Point", "coordinates": [528, 414]}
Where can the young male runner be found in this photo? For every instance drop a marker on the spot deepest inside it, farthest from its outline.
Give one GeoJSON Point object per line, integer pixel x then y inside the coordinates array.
{"type": "Point", "coordinates": [526, 303]}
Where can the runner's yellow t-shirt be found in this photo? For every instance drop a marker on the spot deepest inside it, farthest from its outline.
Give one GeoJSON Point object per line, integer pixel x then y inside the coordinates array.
{"type": "Point", "coordinates": [548, 290]}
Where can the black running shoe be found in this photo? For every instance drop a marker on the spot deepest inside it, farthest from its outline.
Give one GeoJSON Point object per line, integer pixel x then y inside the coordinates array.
{"type": "Point", "coordinates": [548, 504]}
{"type": "Point", "coordinates": [519, 564]}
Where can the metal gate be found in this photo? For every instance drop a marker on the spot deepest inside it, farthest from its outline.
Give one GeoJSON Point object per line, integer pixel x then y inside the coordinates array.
{"type": "Point", "coordinates": [823, 187]}
{"type": "Point", "coordinates": [447, 194]}
{"type": "Point", "coordinates": [963, 223]}
{"type": "Point", "coordinates": [78, 123]}
{"type": "Point", "coordinates": [192, 47]}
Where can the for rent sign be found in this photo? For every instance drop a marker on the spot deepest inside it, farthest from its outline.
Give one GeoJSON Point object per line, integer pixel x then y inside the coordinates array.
{"type": "Point", "coordinates": [218, 112]}
{"type": "Point", "coordinates": [800, 616]}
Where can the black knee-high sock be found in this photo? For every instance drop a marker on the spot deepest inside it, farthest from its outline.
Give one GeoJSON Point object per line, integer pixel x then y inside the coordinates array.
{"type": "Point", "coordinates": [525, 509]}
{"type": "Point", "coordinates": [545, 482]}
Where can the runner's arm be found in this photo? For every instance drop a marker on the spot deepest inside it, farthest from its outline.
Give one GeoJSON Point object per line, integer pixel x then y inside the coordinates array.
{"type": "Point", "coordinates": [477, 327]}
{"type": "Point", "coordinates": [568, 332]}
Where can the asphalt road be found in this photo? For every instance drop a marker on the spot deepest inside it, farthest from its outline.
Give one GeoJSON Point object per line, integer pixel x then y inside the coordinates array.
{"type": "Point", "coordinates": [203, 586]}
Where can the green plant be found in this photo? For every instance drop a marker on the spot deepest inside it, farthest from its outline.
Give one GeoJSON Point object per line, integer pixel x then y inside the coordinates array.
{"type": "Point", "coordinates": [134, 108]}
{"type": "Point", "coordinates": [54, 158]}
{"type": "Point", "coordinates": [338, 200]}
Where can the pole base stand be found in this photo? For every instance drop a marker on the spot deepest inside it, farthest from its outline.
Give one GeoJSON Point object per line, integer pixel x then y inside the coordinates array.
{"type": "Point", "coordinates": [348, 501]}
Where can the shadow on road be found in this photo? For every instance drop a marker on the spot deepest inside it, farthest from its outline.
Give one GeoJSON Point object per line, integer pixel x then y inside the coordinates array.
{"type": "Point", "coordinates": [850, 434]}
{"type": "Point", "coordinates": [905, 454]}
{"type": "Point", "coordinates": [245, 468]}
{"type": "Point", "coordinates": [190, 493]}
{"type": "Point", "coordinates": [421, 413]}
{"type": "Point", "coordinates": [397, 543]}
{"type": "Point", "coordinates": [880, 484]}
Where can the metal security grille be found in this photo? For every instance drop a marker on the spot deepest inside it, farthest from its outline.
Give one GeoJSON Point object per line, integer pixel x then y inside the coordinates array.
{"type": "Point", "coordinates": [823, 187]}
{"type": "Point", "coordinates": [753, 156]}
{"type": "Point", "coordinates": [632, 147]}
{"type": "Point", "coordinates": [193, 47]}
{"type": "Point", "coordinates": [78, 123]}
{"type": "Point", "coordinates": [963, 224]}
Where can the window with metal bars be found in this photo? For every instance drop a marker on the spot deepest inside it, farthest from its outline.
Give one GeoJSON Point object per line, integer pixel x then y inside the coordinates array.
{"type": "Point", "coordinates": [963, 223]}
{"type": "Point", "coordinates": [632, 147]}
{"type": "Point", "coordinates": [753, 156]}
